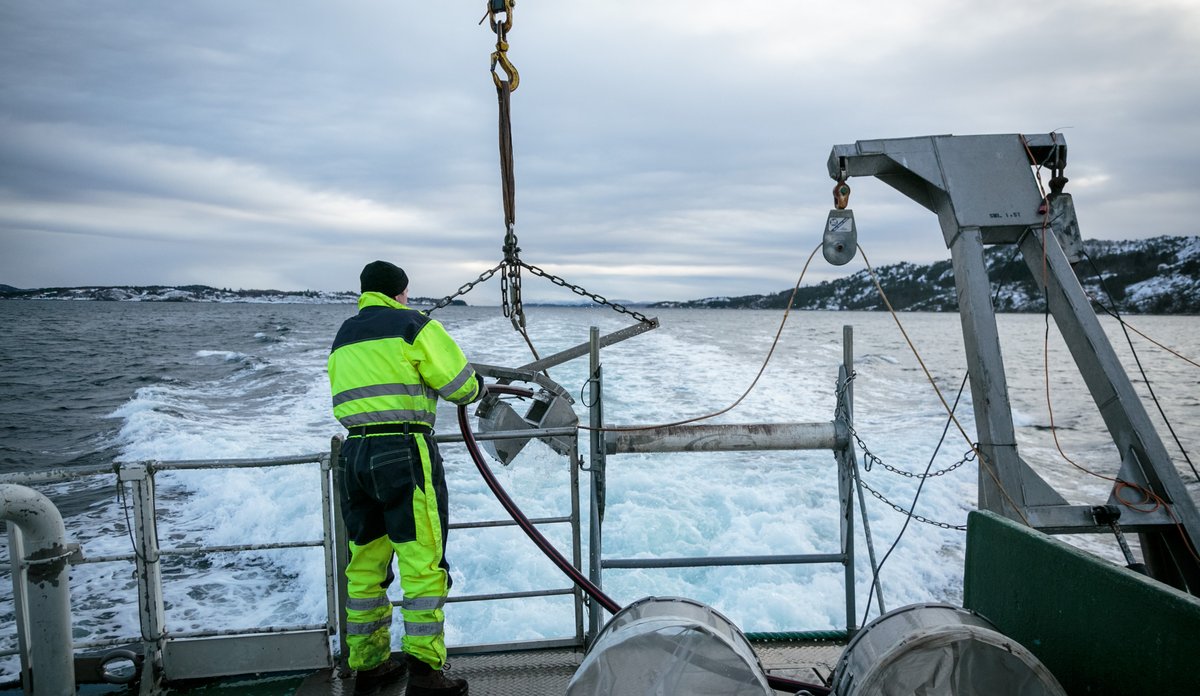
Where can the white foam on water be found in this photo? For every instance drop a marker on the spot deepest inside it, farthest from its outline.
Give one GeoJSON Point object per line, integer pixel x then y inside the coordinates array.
{"type": "Point", "coordinates": [670, 505]}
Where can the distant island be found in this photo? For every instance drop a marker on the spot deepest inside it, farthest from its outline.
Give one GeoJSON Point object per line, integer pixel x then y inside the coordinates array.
{"type": "Point", "coordinates": [194, 293]}
{"type": "Point", "coordinates": [1147, 276]}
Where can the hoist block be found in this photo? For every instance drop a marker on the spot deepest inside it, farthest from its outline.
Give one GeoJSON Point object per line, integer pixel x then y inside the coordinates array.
{"type": "Point", "coordinates": [840, 242]}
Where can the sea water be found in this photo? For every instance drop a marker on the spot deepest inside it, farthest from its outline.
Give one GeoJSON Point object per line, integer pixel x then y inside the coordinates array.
{"type": "Point", "coordinates": [86, 384]}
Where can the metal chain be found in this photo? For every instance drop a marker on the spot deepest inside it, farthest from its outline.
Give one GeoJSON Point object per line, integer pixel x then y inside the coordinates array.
{"type": "Point", "coordinates": [510, 288]}
{"type": "Point", "coordinates": [465, 288]}
{"type": "Point", "coordinates": [598, 299]}
{"type": "Point", "coordinates": [510, 282]}
{"type": "Point", "coordinates": [869, 459]}
{"type": "Point", "coordinates": [910, 513]}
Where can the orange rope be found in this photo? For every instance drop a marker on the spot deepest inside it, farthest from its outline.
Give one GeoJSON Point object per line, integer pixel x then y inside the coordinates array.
{"type": "Point", "coordinates": [1118, 484]}
{"type": "Point", "coordinates": [987, 466]}
{"type": "Point", "coordinates": [761, 370]}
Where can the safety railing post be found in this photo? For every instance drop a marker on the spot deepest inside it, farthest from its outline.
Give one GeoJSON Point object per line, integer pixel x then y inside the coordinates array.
{"type": "Point", "coordinates": [845, 475]}
{"type": "Point", "coordinates": [329, 545]}
{"type": "Point", "coordinates": [16, 551]}
{"type": "Point", "coordinates": [140, 476]}
{"type": "Point", "coordinates": [341, 554]}
{"type": "Point", "coordinates": [852, 461]}
{"type": "Point", "coordinates": [597, 464]}
{"type": "Point", "coordinates": [574, 460]}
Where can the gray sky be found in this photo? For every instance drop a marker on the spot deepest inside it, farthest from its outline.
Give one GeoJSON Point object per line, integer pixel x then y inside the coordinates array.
{"type": "Point", "coordinates": [664, 149]}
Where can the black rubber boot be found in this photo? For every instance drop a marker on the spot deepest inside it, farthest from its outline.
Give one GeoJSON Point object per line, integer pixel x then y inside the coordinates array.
{"type": "Point", "coordinates": [424, 680]}
{"type": "Point", "coordinates": [371, 681]}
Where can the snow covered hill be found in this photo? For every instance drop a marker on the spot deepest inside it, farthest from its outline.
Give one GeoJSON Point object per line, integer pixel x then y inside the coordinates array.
{"type": "Point", "coordinates": [1148, 276]}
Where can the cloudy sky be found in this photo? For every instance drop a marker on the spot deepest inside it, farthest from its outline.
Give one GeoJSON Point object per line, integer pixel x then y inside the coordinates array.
{"type": "Point", "coordinates": [664, 149]}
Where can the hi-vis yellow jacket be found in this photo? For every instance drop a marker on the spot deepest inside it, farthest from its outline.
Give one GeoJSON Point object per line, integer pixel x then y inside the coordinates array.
{"type": "Point", "coordinates": [390, 363]}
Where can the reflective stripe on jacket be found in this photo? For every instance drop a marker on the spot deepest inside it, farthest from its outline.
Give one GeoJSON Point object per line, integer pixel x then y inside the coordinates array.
{"type": "Point", "coordinates": [390, 363]}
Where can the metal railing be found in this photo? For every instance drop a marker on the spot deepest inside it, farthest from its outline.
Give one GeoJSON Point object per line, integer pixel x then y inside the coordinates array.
{"type": "Point", "coordinates": [174, 655]}
{"type": "Point", "coordinates": [181, 654]}
{"type": "Point", "coordinates": [833, 435]}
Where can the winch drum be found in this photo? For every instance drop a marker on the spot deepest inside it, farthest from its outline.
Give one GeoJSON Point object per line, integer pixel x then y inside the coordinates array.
{"type": "Point", "coordinates": [942, 649]}
{"type": "Point", "coordinates": [670, 645]}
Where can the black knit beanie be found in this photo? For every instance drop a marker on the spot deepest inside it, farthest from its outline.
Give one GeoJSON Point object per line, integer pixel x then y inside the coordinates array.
{"type": "Point", "coordinates": [384, 277]}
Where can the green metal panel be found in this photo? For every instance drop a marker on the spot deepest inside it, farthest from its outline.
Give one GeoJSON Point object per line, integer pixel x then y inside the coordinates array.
{"type": "Point", "coordinates": [1100, 628]}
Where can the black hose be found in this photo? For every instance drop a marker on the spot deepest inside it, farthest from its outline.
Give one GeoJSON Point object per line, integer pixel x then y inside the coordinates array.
{"type": "Point", "coordinates": [515, 512]}
{"type": "Point", "coordinates": [775, 682]}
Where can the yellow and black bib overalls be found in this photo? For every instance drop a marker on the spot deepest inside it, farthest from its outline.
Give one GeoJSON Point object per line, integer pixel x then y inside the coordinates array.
{"type": "Point", "coordinates": [388, 366]}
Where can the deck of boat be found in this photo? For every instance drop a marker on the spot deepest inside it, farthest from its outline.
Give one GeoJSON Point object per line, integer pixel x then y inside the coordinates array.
{"type": "Point", "coordinates": [547, 672]}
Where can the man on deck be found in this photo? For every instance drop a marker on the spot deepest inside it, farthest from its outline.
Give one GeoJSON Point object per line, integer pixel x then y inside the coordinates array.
{"type": "Point", "coordinates": [388, 366]}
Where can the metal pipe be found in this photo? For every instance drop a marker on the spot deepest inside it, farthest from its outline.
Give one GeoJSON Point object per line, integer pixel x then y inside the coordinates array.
{"type": "Point", "coordinates": [727, 438]}
{"type": "Point", "coordinates": [24, 478]}
{"type": "Point", "coordinates": [329, 555]}
{"type": "Point", "coordinates": [266, 630]}
{"type": "Point", "coordinates": [528, 594]}
{"type": "Point", "coordinates": [116, 558]}
{"type": "Point", "coordinates": [568, 431]}
{"type": "Point", "coordinates": [341, 557]}
{"type": "Point", "coordinates": [576, 537]}
{"type": "Point", "coordinates": [47, 595]}
{"type": "Point", "coordinates": [197, 550]}
{"type": "Point", "coordinates": [185, 464]}
{"type": "Point", "coordinates": [597, 465]}
{"type": "Point", "coordinates": [507, 523]}
{"type": "Point", "coordinates": [16, 551]}
{"type": "Point", "coordinates": [713, 561]}
{"type": "Point", "coordinates": [595, 342]}
{"type": "Point", "coordinates": [151, 605]}
{"type": "Point", "coordinates": [846, 524]}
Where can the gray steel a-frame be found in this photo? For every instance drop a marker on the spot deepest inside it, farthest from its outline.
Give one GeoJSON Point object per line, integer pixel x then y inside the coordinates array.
{"type": "Point", "coordinates": [984, 191]}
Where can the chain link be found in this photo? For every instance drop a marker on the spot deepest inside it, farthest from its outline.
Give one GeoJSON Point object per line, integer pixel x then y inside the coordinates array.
{"type": "Point", "coordinates": [510, 289]}
{"type": "Point", "coordinates": [910, 513]}
{"type": "Point", "coordinates": [510, 281]}
{"type": "Point", "coordinates": [465, 288]}
{"type": "Point", "coordinates": [598, 299]}
{"type": "Point", "coordinates": [869, 459]}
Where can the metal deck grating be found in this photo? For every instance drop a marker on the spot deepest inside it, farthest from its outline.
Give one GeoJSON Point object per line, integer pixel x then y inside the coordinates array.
{"type": "Point", "coordinates": [547, 672]}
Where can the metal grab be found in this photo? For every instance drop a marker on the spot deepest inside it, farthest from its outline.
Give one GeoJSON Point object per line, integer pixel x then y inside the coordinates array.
{"type": "Point", "coordinates": [44, 569]}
